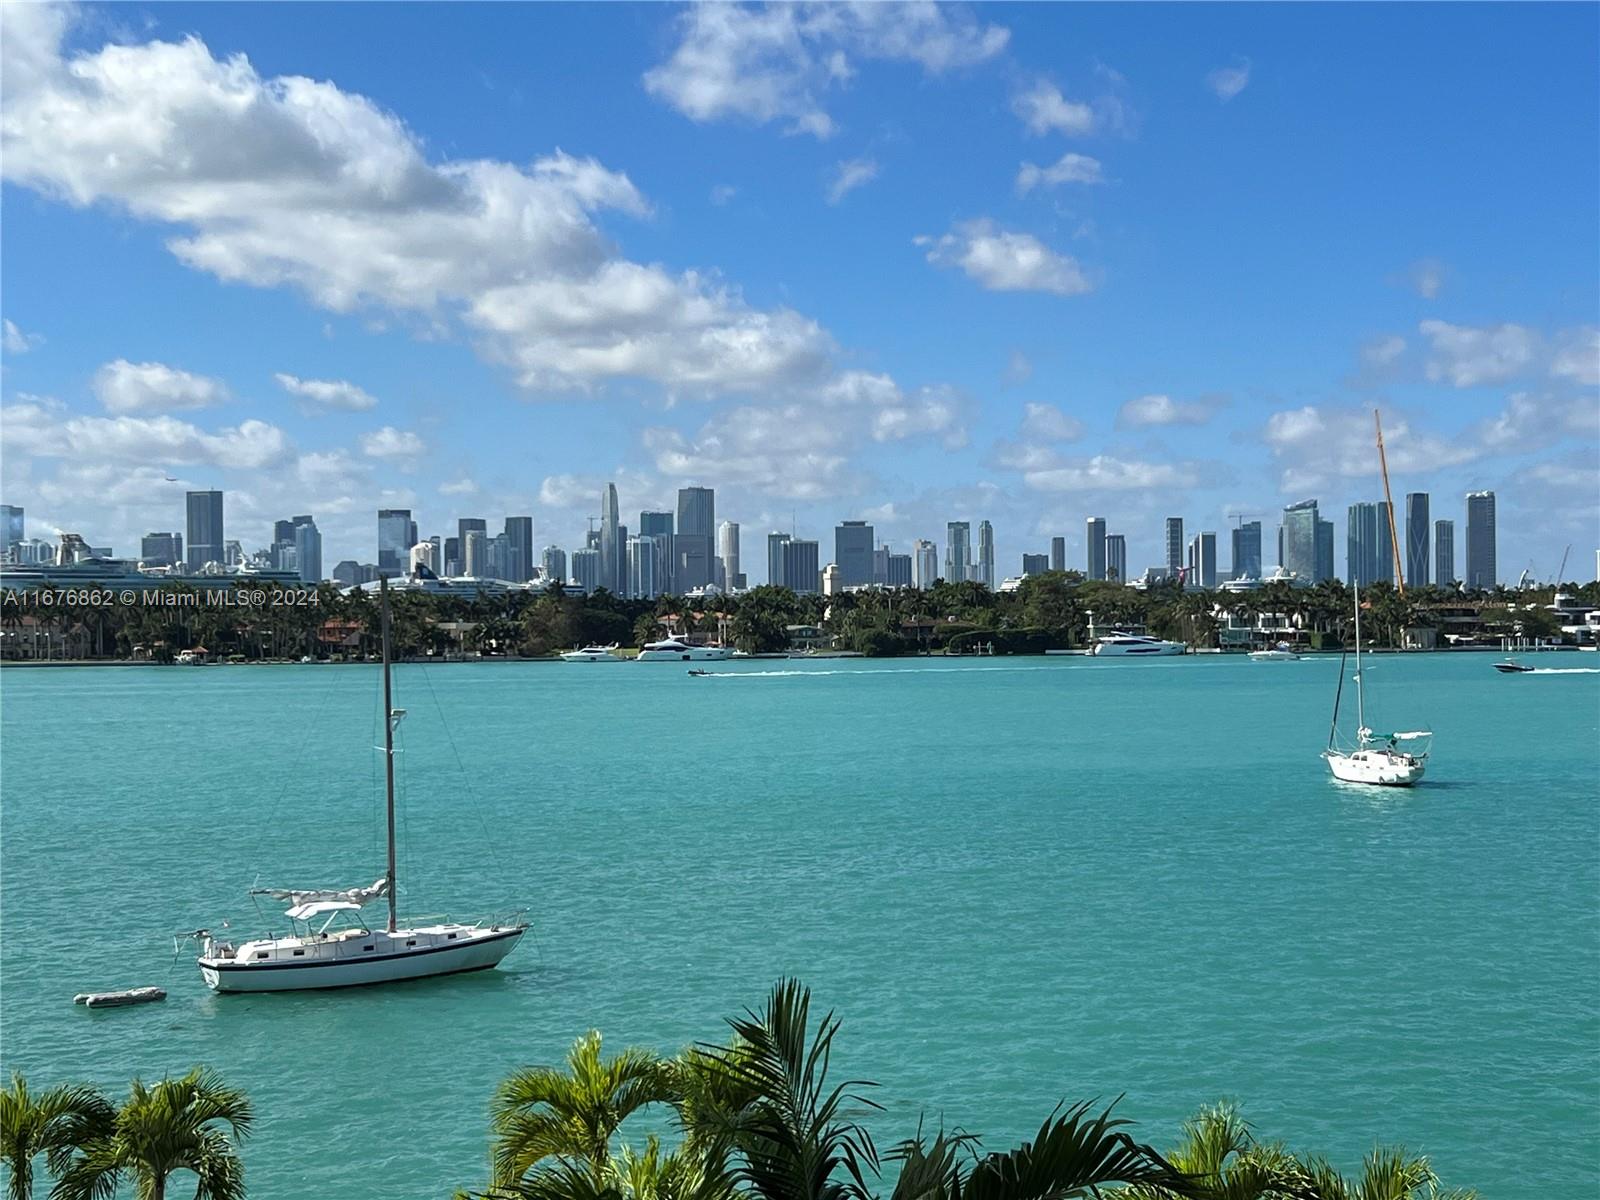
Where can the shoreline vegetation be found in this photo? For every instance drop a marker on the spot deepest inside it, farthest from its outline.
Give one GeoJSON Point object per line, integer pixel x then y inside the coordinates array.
{"type": "Point", "coordinates": [757, 1117]}
{"type": "Point", "coordinates": [1050, 611]}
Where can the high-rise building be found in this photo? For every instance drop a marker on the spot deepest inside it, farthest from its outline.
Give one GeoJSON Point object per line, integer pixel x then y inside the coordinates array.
{"type": "Point", "coordinates": [924, 564]}
{"type": "Point", "coordinates": [659, 525]}
{"type": "Point", "coordinates": [694, 546]}
{"type": "Point", "coordinates": [519, 552]}
{"type": "Point", "coordinates": [475, 554]}
{"type": "Point", "coordinates": [12, 529]}
{"type": "Point", "coordinates": [1247, 551]}
{"type": "Point", "coordinates": [1058, 554]}
{"type": "Point", "coordinates": [1417, 539]}
{"type": "Point", "coordinates": [1035, 564]}
{"type": "Point", "coordinates": [308, 550]}
{"type": "Point", "coordinates": [880, 566]}
{"type": "Point", "coordinates": [897, 573]}
{"type": "Point", "coordinates": [1444, 553]}
{"type": "Point", "coordinates": [1203, 560]}
{"type": "Point", "coordinates": [1299, 551]}
{"type": "Point", "coordinates": [397, 533]}
{"type": "Point", "coordinates": [800, 570]}
{"type": "Point", "coordinates": [1097, 548]}
{"type": "Point", "coordinates": [204, 535]}
{"type": "Point", "coordinates": [728, 553]}
{"type": "Point", "coordinates": [424, 556]}
{"type": "Point", "coordinates": [642, 552]}
{"type": "Point", "coordinates": [1117, 557]}
{"type": "Point", "coordinates": [586, 568]}
{"type": "Point", "coordinates": [1361, 544]}
{"type": "Point", "coordinates": [612, 567]}
{"type": "Point", "coordinates": [464, 526]}
{"type": "Point", "coordinates": [777, 544]}
{"type": "Point", "coordinates": [450, 559]}
{"type": "Point", "coordinates": [832, 580]}
{"type": "Point", "coordinates": [957, 552]}
{"type": "Point", "coordinates": [161, 549]}
{"type": "Point", "coordinates": [1482, 572]}
{"type": "Point", "coordinates": [986, 554]}
{"type": "Point", "coordinates": [1174, 544]}
{"type": "Point", "coordinates": [1325, 567]}
{"type": "Point", "coordinates": [852, 552]}
{"type": "Point", "coordinates": [555, 564]}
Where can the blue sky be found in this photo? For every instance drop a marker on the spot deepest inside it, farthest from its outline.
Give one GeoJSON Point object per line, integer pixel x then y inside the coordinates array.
{"type": "Point", "coordinates": [1024, 263]}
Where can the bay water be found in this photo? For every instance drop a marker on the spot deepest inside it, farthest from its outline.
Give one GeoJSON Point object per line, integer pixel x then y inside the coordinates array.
{"type": "Point", "coordinates": [1016, 880]}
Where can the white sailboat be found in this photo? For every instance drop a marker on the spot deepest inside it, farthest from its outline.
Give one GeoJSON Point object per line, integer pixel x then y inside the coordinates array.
{"type": "Point", "coordinates": [1375, 758]}
{"type": "Point", "coordinates": [330, 946]}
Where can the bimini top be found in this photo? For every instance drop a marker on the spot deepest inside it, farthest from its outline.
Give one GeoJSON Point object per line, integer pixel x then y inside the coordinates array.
{"type": "Point", "coordinates": [353, 897]}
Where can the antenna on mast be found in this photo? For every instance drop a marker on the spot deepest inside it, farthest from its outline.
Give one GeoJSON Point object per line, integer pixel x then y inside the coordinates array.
{"type": "Point", "coordinates": [1394, 540]}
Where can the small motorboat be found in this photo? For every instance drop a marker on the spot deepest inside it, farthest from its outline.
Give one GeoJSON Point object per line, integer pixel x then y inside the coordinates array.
{"type": "Point", "coordinates": [1282, 652]}
{"type": "Point", "coordinates": [698, 671]}
{"type": "Point", "coordinates": [1512, 667]}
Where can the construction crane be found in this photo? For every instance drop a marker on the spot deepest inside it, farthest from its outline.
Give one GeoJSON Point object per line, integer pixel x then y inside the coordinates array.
{"type": "Point", "coordinates": [1562, 569]}
{"type": "Point", "coordinates": [1394, 538]}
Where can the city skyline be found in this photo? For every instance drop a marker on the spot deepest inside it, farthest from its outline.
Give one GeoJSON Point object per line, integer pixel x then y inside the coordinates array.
{"type": "Point", "coordinates": [832, 318]}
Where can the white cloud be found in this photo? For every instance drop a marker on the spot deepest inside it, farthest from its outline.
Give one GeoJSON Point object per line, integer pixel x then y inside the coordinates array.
{"type": "Point", "coordinates": [1529, 421]}
{"type": "Point", "coordinates": [125, 387]}
{"type": "Point", "coordinates": [390, 442]}
{"type": "Point", "coordinates": [40, 428]}
{"type": "Point", "coordinates": [1318, 447]}
{"type": "Point", "coordinates": [1578, 357]}
{"type": "Point", "coordinates": [849, 175]}
{"type": "Point", "coordinates": [1469, 357]}
{"type": "Point", "coordinates": [1047, 423]}
{"type": "Point", "coordinates": [327, 393]}
{"type": "Point", "coordinates": [772, 62]}
{"type": "Point", "coordinates": [892, 414]}
{"type": "Point", "coordinates": [1070, 168]}
{"type": "Point", "coordinates": [1156, 410]}
{"type": "Point", "coordinates": [458, 487]}
{"type": "Point", "coordinates": [1426, 277]}
{"type": "Point", "coordinates": [1006, 262]}
{"type": "Point", "coordinates": [723, 193]}
{"type": "Point", "coordinates": [1381, 353]}
{"type": "Point", "coordinates": [1043, 109]}
{"type": "Point", "coordinates": [784, 451]}
{"type": "Point", "coordinates": [1228, 82]}
{"type": "Point", "coordinates": [1105, 473]}
{"type": "Point", "coordinates": [17, 342]}
{"type": "Point", "coordinates": [1019, 368]}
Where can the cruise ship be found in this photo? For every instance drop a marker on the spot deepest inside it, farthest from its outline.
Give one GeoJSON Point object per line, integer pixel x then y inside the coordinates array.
{"type": "Point", "coordinates": [123, 573]}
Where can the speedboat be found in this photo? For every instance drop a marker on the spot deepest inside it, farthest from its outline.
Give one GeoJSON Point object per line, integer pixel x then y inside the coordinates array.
{"type": "Point", "coordinates": [593, 654]}
{"type": "Point", "coordinates": [675, 650]}
{"type": "Point", "coordinates": [1279, 653]}
{"type": "Point", "coordinates": [1512, 667]}
{"type": "Point", "coordinates": [698, 671]}
{"type": "Point", "coordinates": [1119, 645]}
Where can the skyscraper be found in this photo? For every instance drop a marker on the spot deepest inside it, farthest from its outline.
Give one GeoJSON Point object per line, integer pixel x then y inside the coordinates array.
{"type": "Point", "coordinates": [1247, 551]}
{"type": "Point", "coordinates": [800, 569]}
{"type": "Point", "coordinates": [1444, 553]}
{"type": "Point", "coordinates": [611, 565]}
{"type": "Point", "coordinates": [728, 552]}
{"type": "Point", "coordinates": [475, 554]}
{"type": "Point", "coordinates": [777, 544]}
{"type": "Point", "coordinates": [450, 558]}
{"type": "Point", "coordinates": [1482, 572]}
{"type": "Point", "coordinates": [1325, 567]}
{"type": "Point", "coordinates": [957, 552]}
{"type": "Point", "coordinates": [555, 564]}
{"type": "Point", "coordinates": [1034, 564]}
{"type": "Point", "coordinates": [586, 568]}
{"type": "Point", "coordinates": [12, 529]}
{"type": "Point", "coordinates": [161, 549]}
{"type": "Point", "coordinates": [694, 543]}
{"type": "Point", "coordinates": [658, 525]}
{"type": "Point", "coordinates": [1174, 544]}
{"type": "Point", "coordinates": [924, 564]}
{"type": "Point", "coordinates": [986, 554]}
{"type": "Point", "coordinates": [205, 534]}
{"type": "Point", "coordinates": [519, 551]}
{"type": "Point", "coordinates": [852, 551]}
{"type": "Point", "coordinates": [308, 550]}
{"type": "Point", "coordinates": [1203, 560]}
{"type": "Point", "coordinates": [642, 552]}
{"type": "Point", "coordinates": [1058, 554]}
{"type": "Point", "coordinates": [1097, 548]}
{"type": "Point", "coordinates": [1417, 539]}
{"type": "Point", "coordinates": [1361, 544]}
{"type": "Point", "coordinates": [397, 533]}
{"type": "Point", "coordinates": [1300, 540]}
{"type": "Point", "coordinates": [1117, 557]}
{"type": "Point", "coordinates": [897, 573]}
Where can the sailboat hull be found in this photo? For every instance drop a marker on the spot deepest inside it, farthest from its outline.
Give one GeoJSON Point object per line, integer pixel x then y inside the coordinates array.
{"type": "Point", "coordinates": [297, 964]}
{"type": "Point", "coordinates": [1380, 767]}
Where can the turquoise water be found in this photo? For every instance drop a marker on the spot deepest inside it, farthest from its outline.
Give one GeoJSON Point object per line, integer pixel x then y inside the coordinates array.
{"type": "Point", "coordinates": [1017, 881]}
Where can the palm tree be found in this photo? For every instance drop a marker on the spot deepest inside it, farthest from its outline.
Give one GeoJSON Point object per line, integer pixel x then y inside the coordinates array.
{"type": "Point", "coordinates": [1387, 1174]}
{"type": "Point", "coordinates": [189, 1124]}
{"type": "Point", "coordinates": [572, 1114]}
{"type": "Point", "coordinates": [1219, 1150]}
{"type": "Point", "coordinates": [53, 1124]}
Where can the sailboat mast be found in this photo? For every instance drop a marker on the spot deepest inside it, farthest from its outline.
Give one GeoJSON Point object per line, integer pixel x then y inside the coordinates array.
{"type": "Point", "coordinates": [1361, 708]}
{"type": "Point", "coordinates": [388, 744]}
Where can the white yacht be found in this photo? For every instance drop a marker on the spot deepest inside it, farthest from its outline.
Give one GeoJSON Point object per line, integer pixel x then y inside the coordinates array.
{"type": "Point", "coordinates": [1282, 652]}
{"type": "Point", "coordinates": [1375, 758]}
{"type": "Point", "coordinates": [674, 650]}
{"type": "Point", "coordinates": [593, 654]}
{"type": "Point", "coordinates": [1118, 644]}
{"type": "Point", "coordinates": [319, 955]}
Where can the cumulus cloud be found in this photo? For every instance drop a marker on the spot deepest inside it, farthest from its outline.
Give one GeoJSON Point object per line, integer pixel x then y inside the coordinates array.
{"type": "Point", "coordinates": [1471, 357]}
{"type": "Point", "coordinates": [292, 182]}
{"type": "Point", "coordinates": [891, 414]}
{"type": "Point", "coordinates": [15, 341]}
{"type": "Point", "coordinates": [458, 487]}
{"type": "Point", "coordinates": [775, 62]}
{"type": "Point", "coordinates": [321, 394]}
{"type": "Point", "coordinates": [1002, 261]}
{"type": "Point", "coordinates": [1069, 168]}
{"type": "Point", "coordinates": [1577, 357]}
{"type": "Point", "coordinates": [1426, 277]}
{"type": "Point", "coordinates": [1047, 423]}
{"type": "Point", "coordinates": [1319, 446]}
{"type": "Point", "coordinates": [1043, 109]}
{"type": "Point", "coordinates": [849, 175]}
{"type": "Point", "coordinates": [1108, 474]}
{"type": "Point", "coordinates": [390, 442]}
{"type": "Point", "coordinates": [784, 451]}
{"type": "Point", "coordinates": [1019, 368]}
{"type": "Point", "coordinates": [125, 387]}
{"type": "Point", "coordinates": [1156, 410]}
{"type": "Point", "coordinates": [1228, 82]}
{"type": "Point", "coordinates": [42, 429]}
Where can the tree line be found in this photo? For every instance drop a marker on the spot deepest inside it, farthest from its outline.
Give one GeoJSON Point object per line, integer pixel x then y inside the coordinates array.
{"type": "Point", "coordinates": [1052, 610]}
{"type": "Point", "coordinates": [757, 1116]}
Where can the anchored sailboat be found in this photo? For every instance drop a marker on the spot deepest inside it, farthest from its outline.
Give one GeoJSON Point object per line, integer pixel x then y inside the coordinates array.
{"type": "Point", "coordinates": [1376, 757]}
{"type": "Point", "coordinates": [322, 952]}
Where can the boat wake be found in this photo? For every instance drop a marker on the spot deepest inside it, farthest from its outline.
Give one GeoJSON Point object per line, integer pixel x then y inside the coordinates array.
{"type": "Point", "coordinates": [818, 674]}
{"type": "Point", "coordinates": [1565, 671]}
